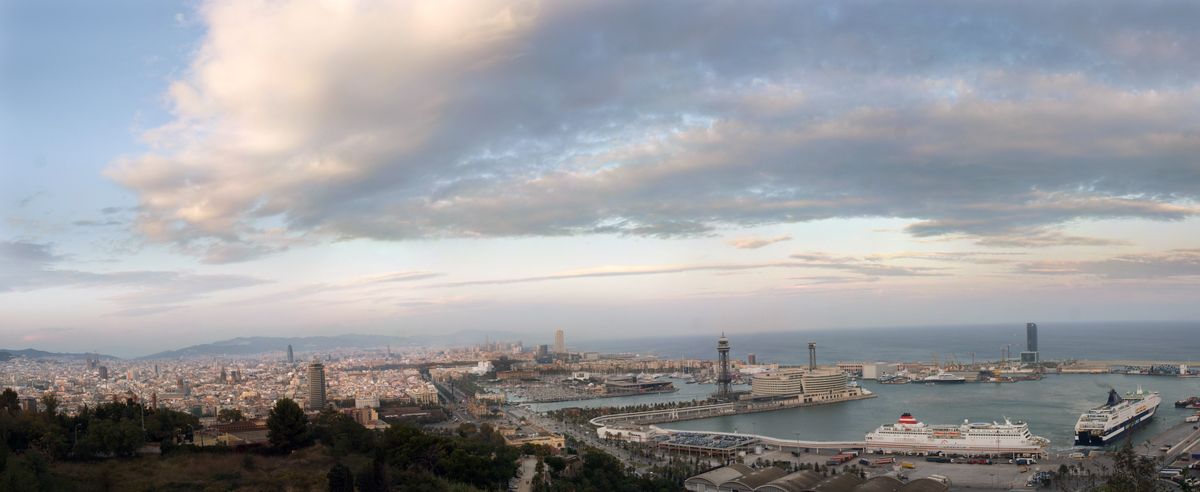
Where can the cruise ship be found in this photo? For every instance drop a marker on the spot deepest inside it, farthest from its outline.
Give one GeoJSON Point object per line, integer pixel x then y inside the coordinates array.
{"type": "Point", "coordinates": [943, 377]}
{"type": "Point", "coordinates": [1101, 425]}
{"type": "Point", "coordinates": [968, 438]}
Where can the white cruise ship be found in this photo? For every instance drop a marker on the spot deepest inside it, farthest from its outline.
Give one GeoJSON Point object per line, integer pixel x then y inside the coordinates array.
{"type": "Point", "coordinates": [1101, 425]}
{"type": "Point", "coordinates": [969, 438]}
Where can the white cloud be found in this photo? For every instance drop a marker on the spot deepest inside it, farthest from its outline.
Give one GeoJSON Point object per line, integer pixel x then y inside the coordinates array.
{"type": "Point", "coordinates": [757, 242]}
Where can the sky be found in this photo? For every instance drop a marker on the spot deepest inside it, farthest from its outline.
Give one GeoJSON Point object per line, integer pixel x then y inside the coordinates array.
{"type": "Point", "coordinates": [183, 172]}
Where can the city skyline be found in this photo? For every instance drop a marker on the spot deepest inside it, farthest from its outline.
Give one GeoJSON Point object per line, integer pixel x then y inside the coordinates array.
{"type": "Point", "coordinates": [173, 174]}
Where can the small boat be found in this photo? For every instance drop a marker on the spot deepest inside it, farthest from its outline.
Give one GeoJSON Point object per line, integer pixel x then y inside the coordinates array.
{"type": "Point", "coordinates": [1187, 402]}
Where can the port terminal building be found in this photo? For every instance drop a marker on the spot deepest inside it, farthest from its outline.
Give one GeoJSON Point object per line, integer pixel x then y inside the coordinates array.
{"type": "Point", "coordinates": [811, 385]}
{"type": "Point", "coordinates": [741, 478]}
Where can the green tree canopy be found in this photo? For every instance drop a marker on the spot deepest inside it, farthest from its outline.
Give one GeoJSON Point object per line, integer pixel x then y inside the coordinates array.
{"type": "Point", "coordinates": [287, 426]}
{"type": "Point", "coordinates": [230, 415]}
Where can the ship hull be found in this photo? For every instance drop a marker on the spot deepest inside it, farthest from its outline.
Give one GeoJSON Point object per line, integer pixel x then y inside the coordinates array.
{"type": "Point", "coordinates": [1088, 438]}
{"type": "Point", "coordinates": [952, 381]}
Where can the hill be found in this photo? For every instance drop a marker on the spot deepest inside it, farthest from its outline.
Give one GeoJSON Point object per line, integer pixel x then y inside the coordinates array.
{"type": "Point", "coordinates": [244, 346]}
{"type": "Point", "coordinates": [6, 354]}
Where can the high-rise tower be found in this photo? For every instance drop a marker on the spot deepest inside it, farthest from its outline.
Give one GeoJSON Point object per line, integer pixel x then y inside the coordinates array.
{"type": "Point", "coordinates": [724, 378]}
{"type": "Point", "coordinates": [560, 342]}
{"type": "Point", "coordinates": [291, 357]}
{"type": "Point", "coordinates": [812, 356]}
{"type": "Point", "coordinates": [1030, 355]}
{"type": "Point", "coordinates": [316, 386]}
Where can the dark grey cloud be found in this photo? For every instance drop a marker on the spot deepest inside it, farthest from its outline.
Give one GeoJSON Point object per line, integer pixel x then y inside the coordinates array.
{"type": "Point", "coordinates": [96, 223]}
{"type": "Point", "coordinates": [996, 121]}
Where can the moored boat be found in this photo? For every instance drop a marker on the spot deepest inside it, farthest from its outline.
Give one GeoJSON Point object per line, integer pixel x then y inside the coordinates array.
{"type": "Point", "coordinates": [1120, 414]}
{"type": "Point", "coordinates": [969, 438]}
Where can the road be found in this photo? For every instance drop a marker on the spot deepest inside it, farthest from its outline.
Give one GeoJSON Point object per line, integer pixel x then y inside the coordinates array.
{"type": "Point", "coordinates": [582, 434]}
{"type": "Point", "coordinates": [528, 469]}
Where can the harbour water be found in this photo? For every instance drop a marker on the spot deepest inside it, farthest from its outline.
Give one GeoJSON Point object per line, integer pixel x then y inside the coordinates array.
{"type": "Point", "coordinates": [1050, 406]}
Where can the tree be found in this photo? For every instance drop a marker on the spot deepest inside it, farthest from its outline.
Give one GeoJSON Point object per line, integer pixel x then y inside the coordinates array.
{"type": "Point", "coordinates": [1130, 472]}
{"type": "Point", "coordinates": [9, 401]}
{"type": "Point", "coordinates": [230, 415]}
{"type": "Point", "coordinates": [50, 403]}
{"type": "Point", "coordinates": [340, 478]}
{"type": "Point", "coordinates": [287, 426]}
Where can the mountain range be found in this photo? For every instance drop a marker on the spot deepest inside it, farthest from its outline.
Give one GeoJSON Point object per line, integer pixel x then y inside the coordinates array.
{"type": "Point", "coordinates": [6, 354]}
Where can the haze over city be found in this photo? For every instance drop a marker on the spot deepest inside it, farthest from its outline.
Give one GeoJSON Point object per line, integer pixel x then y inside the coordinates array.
{"type": "Point", "coordinates": [183, 172]}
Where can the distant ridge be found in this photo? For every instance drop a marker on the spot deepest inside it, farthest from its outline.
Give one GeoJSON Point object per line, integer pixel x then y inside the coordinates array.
{"type": "Point", "coordinates": [243, 346]}
{"type": "Point", "coordinates": [246, 346]}
{"type": "Point", "coordinates": [6, 354]}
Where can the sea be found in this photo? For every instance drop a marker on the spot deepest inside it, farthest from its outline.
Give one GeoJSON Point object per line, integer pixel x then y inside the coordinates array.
{"type": "Point", "coordinates": [1056, 341]}
{"type": "Point", "coordinates": [1050, 406]}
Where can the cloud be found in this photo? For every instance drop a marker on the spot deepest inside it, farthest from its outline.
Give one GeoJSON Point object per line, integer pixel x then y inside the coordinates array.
{"type": "Point", "coordinates": [976, 257]}
{"type": "Point", "coordinates": [382, 281]}
{"type": "Point", "coordinates": [818, 261]}
{"type": "Point", "coordinates": [96, 223]}
{"type": "Point", "coordinates": [26, 266]}
{"type": "Point", "coordinates": [307, 121]}
{"type": "Point", "coordinates": [29, 199]}
{"type": "Point", "coordinates": [1170, 264]}
{"type": "Point", "coordinates": [757, 242]}
{"type": "Point", "coordinates": [617, 271]}
{"type": "Point", "coordinates": [864, 266]}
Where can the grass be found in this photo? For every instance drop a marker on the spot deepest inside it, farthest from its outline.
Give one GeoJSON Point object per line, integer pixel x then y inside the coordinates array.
{"type": "Point", "coordinates": [302, 470]}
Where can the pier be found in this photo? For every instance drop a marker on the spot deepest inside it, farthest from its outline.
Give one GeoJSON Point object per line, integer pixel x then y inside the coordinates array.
{"type": "Point", "coordinates": [714, 410]}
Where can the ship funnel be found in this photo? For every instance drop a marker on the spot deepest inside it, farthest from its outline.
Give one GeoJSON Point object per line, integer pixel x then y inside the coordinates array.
{"type": "Point", "coordinates": [1113, 397]}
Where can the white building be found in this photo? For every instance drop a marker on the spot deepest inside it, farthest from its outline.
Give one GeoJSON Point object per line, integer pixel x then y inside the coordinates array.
{"type": "Point", "coordinates": [483, 367]}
